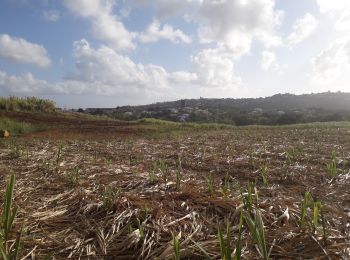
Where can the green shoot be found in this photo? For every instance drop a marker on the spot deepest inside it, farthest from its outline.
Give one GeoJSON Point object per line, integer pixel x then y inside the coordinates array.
{"type": "Point", "coordinates": [226, 187]}
{"type": "Point", "coordinates": [164, 170]}
{"type": "Point", "coordinates": [7, 218]}
{"type": "Point", "coordinates": [304, 205]}
{"type": "Point", "coordinates": [141, 227]}
{"type": "Point", "coordinates": [331, 167]}
{"type": "Point", "coordinates": [238, 252]}
{"type": "Point", "coordinates": [210, 183]}
{"type": "Point", "coordinates": [256, 228]}
{"type": "Point", "coordinates": [58, 155]}
{"type": "Point", "coordinates": [225, 247]}
{"type": "Point", "coordinates": [109, 196]}
{"type": "Point", "coordinates": [178, 173]}
{"type": "Point", "coordinates": [264, 171]}
{"type": "Point", "coordinates": [176, 247]}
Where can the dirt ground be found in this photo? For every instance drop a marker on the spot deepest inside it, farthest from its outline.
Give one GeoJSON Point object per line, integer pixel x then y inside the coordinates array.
{"type": "Point", "coordinates": [98, 189]}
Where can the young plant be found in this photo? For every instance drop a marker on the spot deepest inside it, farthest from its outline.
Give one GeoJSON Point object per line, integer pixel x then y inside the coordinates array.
{"type": "Point", "coordinates": [178, 173]}
{"type": "Point", "coordinates": [315, 217]}
{"type": "Point", "coordinates": [141, 227]}
{"type": "Point", "coordinates": [59, 153]}
{"type": "Point", "coordinates": [110, 195]}
{"type": "Point", "coordinates": [226, 186]}
{"type": "Point", "coordinates": [264, 171]}
{"type": "Point", "coordinates": [210, 183]}
{"type": "Point", "coordinates": [152, 176]}
{"type": "Point", "coordinates": [176, 248]}
{"type": "Point", "coordinates": [307, 201]}
{"type": "Point", "coordinates": [248, 198]}
{"type": "Point", "coordinates": [163, 167]}
{"type": "Point", "coordinates": [225, 244]}
{"type": "Point", "coordinates": [238, 252]}
{"type": "Point", "coordinates": [256, 229]}
{"type": "Point", "coordinates": [331, 167]}
{"type": "Point", "coordinates": [73, 177]}
{"type": "Point", "coordinates": [8, 215]}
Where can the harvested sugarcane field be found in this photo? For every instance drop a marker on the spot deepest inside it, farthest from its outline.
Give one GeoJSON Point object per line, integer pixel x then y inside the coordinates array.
{"type": "Point", "coordinates": [91, 188]}
{"type": "Point", "coordinates": [174, 130]}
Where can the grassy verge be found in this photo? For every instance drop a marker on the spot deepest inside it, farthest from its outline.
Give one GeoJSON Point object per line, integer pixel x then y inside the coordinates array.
{"type": "Point", "coordinates": [15, 127]}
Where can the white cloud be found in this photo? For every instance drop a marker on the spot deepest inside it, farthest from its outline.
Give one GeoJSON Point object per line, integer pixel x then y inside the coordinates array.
{"type": "Point", "coordinates": [21, 51]}
{"type": "Point", "coordinates": [268, 61]}
{"type": "Point", "coordinates": [302, 29]}
{"type": "Point", "coordinates": [168, 8]}
{"type": "Point", "coordinates": [155, 32]}
{"type": "Point", "coordinates": [237, 23]}
{"type": "Point", "coordinates": [51, 15]}
{"type": "Point", "coordinates": [332, 62]}
{"type": "Point", "coordinates": [105, 25]}
{"type": "Point", "coordinates": [332, 5]}
{"type": "Point", "coordinates": [23, 84]}
{"type": "Point", "coordinates": [215, 69]}
{"type": "Point", "coordinates": [340, 9]}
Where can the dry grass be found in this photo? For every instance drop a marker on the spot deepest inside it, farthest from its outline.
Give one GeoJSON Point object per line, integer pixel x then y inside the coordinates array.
{"type": "Point", "coordinates": [93, 199]}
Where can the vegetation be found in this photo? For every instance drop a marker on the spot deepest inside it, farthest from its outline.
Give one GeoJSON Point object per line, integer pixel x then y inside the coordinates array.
{"type": "Point", "coordinates": [15, 127]}
{"type": "Point", "coordinates": [276, 110]}
{"type": "Point", "coordinates": [28, 104]}
{"type": "Point", "coordinates": [8, 249]}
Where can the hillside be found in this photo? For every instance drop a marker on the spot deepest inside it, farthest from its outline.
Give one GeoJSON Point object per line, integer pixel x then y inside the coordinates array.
{"type": "Point", "coordinates": [277, 109]}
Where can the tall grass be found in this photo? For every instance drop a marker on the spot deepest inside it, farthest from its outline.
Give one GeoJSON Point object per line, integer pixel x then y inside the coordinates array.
{"type": "Point", "coordinates": [15, 127]}
{"type": "Point", "coordinates": [27, 104]}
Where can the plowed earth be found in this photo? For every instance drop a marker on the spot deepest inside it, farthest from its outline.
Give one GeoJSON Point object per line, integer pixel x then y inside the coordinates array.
{"type": "Point", "coordinates": [94, 198]}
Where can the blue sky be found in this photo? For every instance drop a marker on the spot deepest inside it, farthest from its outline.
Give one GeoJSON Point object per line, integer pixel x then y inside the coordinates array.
{"type": "Point", "coordinates": [106, 53]}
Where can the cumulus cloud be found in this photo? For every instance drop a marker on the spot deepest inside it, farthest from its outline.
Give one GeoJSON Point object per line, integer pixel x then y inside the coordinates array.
{"type": "Point", "coordinates": [215, 69]}
{"type": "Point", "coordinates": [302, 29]}
{"type": "Point", "coordinates": [105, 25]}
{"type": "Point", "coordinates": [23, 84]}
{"type": "Point", "coordinates": [169, 8]}
{"type": "Point", "coordinates": [268, 61]}
{"type": "Point", "coordinates": [332, 5]}
{"type": "Point", "coordinates": [155, 32]}
{"type": "Point", "coordinates": [237, 23]}
{"type": "Point", "coordinates": [332, 62]}
{"type": "Point", "coordinates": [51, 15]}
{"type": "Point", "coordinates": [21, 51]}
